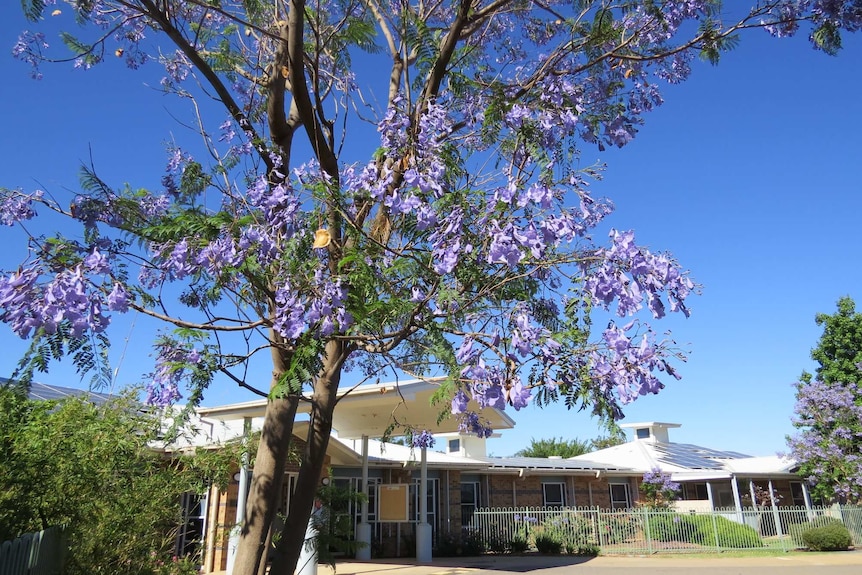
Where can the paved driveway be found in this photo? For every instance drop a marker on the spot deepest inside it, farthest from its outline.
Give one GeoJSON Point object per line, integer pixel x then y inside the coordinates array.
{"type": "Point", "coordinates": [846, 563]}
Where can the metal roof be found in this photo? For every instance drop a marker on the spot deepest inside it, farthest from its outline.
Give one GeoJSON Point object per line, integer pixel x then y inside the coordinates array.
{"type": "Point", "coordinates": [44, 392]}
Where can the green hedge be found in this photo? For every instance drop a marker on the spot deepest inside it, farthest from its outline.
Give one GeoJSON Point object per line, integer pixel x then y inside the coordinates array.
{"type": "Point", "coordinates": [798, 529]}
{"type": "Point", "coordinates": [699, 529]}
{"type": "Point", "coordinates": [822, 534]}
{"type": "Point", "coordinates": [828, 538]}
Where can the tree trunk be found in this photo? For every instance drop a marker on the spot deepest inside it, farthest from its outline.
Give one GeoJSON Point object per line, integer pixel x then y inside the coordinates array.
{"type": "Point", "coordinates": [266, 484]}
{"type": "Point", "coordinates": [324, 399]}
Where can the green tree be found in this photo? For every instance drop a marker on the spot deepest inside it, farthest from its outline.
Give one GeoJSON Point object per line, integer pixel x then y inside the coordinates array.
{"type": "Point", "coordinates": [384, 187]}
{"type": "Point", "coordinates": [554, 447]}
{"type": "Point", "coordinates": [92, 469]}
{"type": "Point", "coordinates": [568, 447]}
{"type": "Point", "coordinates": [839, 351]}
{"type": "Point", "coordinates": [828, 411]}
{"type": "Point", "coordinates": [614, 438]}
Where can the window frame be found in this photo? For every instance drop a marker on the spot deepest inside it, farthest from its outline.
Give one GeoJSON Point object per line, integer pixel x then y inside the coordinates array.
{"type": "Point", "coordinates": [615, 502]}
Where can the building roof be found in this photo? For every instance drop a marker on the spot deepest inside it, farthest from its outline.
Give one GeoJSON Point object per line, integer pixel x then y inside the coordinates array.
{"type": "Point", "coordinates": [685, 460]}
{"type": "Point", "coordinates": [44, 392]}
{"type": "Point", "coordinates": [371, 409]}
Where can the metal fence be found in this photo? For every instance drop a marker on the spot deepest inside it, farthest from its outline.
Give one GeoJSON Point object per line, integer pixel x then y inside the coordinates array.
{"type": "Point", "coordinates": [39, 553]}
{"type": "Point", "coordinates": [644, 530]}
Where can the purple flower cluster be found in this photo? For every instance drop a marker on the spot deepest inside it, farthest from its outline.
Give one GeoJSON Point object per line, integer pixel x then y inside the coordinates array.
{"type": "Point", "coordinates": [626, 368]}
{"type": "Point", "coordinates": [68, 297]}
{"type": "Point", "coordinates": [423, 440]}
{"type": "Point", "coordinates": [827, 446]}
{"type": "Point", "coordinates": [629, 274]}
{"type": "Point", "coordinates": [658, 488]}
{"type": "Point", "coordinates": [173, 363]}
{"type": "Point", "coordinates": [16, 206]}
{"type": "Point", "coordinates": [324, 312]}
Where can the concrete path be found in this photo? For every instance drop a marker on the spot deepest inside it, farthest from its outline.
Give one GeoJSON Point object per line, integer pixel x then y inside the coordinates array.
{"type": "Point", "coordinates": [846, 563]}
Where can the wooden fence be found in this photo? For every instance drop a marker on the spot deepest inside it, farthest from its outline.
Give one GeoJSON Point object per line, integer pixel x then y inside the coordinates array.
{"type": "Point", "coordinates": [39, 553]}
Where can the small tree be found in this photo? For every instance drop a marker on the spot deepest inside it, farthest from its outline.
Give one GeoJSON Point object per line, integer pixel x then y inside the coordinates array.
{"type": "Point", "coordinates": [91, 468]}
{"type": "Point", "coordinates": [554, 447]}
{"type": "Point", "coordinates": [658, 490]}
{"type": "Point", "coordinates": [568, 447]}
{"type": "Point", "coordinates": [828, 409]}
{"type": "Point", "coordinates": [615, 438]}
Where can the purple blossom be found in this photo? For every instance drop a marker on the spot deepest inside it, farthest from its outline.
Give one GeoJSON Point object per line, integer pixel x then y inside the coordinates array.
{"type": "Point", "coordinates": [423, 440]}
{"type": "Point", "coordinates": [118, 299]}
{"type": "Point", "coordinates": [96, 262]}
{"type": "Point", "coordinates": [459, 402]}
{"type": "Point", "coordinates": [16, 206]}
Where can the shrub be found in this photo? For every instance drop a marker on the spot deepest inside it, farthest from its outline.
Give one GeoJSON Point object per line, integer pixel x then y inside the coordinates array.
{"type": "Point", "coordinates": [448, 545]}
{"type": "Point", "coordinates": [618, 528]}
{"type": "Point", "coordinates": [498, 545]}
{"type": "Point", "coordinates": [571, 529]}
{"type": "Point", "coordinates": [587, 550]}
{"type": "Point", "coordinates": [797, 530]}
{"type": "Point", "coordinates": [832, 537]}
{"type": "Point", "coordinates": [471, 545]}
{"type": "Point", "coordinates": [699, 529]}
{"type": "Point", "coordinates": [549, 544]}
{"type": "Point", "coordinates": [518, 544]}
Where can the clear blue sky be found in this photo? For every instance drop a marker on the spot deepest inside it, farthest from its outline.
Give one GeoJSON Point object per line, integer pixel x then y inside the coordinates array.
{"type": "Point", "coordinates": [750, 174]}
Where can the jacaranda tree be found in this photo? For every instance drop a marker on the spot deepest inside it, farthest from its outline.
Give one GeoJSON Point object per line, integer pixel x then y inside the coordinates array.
{"type": "Point", "coordinates": [828, 409]}
{"type": "Point", "coordinates": [453, 241]}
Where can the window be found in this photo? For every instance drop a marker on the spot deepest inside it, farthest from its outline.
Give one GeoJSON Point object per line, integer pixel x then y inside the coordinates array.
{"type": "Point", "coordinates": [643, 433]}
{"type": "Point", "coordinates": [554, 494]}
{"type": "Point", "coordinates": [469, 502]}
{"type": "Point", "coordinates": [191, 531]}
{"type": "Point", "coordinates": [620, 497]}
{"type": "Point", "coordinates": [694, 491]}
{"type": "Point", "coordinates": [454, 445]}
{"type": "Point", "coordinates": [430, 498]}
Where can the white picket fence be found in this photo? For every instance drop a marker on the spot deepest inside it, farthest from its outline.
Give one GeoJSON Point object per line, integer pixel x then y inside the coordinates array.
{"type": "Point", "coordinates": [649, 531]}
{"type": "Point", "coordinates": [39, 553]}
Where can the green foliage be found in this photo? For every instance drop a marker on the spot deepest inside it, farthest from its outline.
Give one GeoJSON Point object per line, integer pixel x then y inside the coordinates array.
{"type": "Point", "coordinates": [570, 447]}
{"type": "Point", "coordinates": [840, 346]}
{"type": "Point", "coordinates": [454, 545]}
{"type": "Point", "coordinates": [556, 447]}
{"type": "Point", "coordinates": [616, 437]}
{"type": "Point", "coordinates": [518, 544]}
{"type": "Point", "coordinates": [89, 356]}
{"type": "Point", "coordinates": [549, 544]}
{"type": "Point", "coordinates": [585, 550]}
{"type": "Point", "coordinates": [700, 530]}
{"type": "Point", "coordinates": [618, 528]}
{"type": "Point", "coordinates": [838, 354]}
{"type": "Point", "coordinates": [798, 529]}
{"type": "Point", "coordinates": [334, 522]}
{"type": "Point", "coordinates": [831, 537]}
{"type": "Point", "coordinates": [92, 469]}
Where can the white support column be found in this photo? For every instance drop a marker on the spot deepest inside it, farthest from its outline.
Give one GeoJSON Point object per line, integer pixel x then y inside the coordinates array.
{"type": "Point", "coordinates": [806, 495]}
{"type": "Point", "coordinates": [423, 530]}
{"type": "Point", "coordinates": [241, 499]}
{"type": "Point", "coordinates": [709, 496]}
{"type": "Point", "coordinates": [753, 494]}
{"type": "Point", "coordinates": [775, 510]}
{"type": "Point", "coordinates": [308, 555]}
{"type": "Point", "coordinates": [737, 499]}
{"type": "Point", "coordinates": [363, 530]}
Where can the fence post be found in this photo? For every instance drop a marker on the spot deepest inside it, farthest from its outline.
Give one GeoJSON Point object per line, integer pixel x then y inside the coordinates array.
{"type": "Point", "coordinates": [646, 511]}
{"type": "Point", "coordinates": [715, 531]}
{"type": "Point", "coordinates": [601, 531]}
